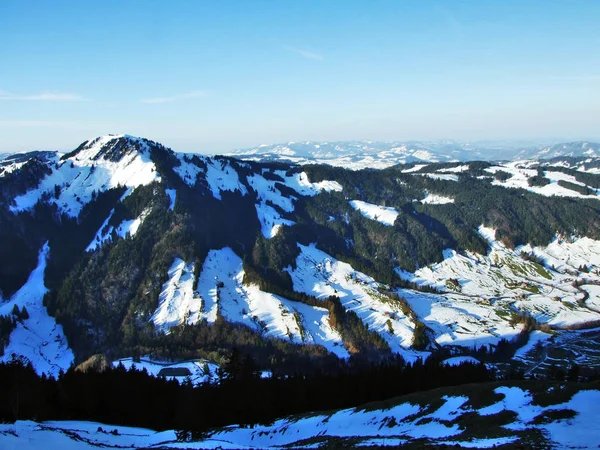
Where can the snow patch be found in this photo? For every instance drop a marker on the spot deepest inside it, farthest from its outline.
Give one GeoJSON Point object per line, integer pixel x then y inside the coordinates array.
{"type": "Point", "coordinates": [177, 303]}
{"type": "Point", "coordinates": [434, 199]}
{"type": "Point", "coordinates": [172, 193]}
{"type": "Point", "coordinates": [384, 214]}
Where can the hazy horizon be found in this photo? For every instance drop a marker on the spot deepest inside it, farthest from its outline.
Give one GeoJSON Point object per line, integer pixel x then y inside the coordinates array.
{"type": "Point", "coordinates": [215, 77]}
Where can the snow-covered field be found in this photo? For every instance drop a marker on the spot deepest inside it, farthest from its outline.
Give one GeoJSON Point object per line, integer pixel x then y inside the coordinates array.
{"type": "Point", "coordinates": [200, 371]}
{"type": "Point", "coordinates": [449, 420]}
{"type": "Point", "coordinates": [384, 214]}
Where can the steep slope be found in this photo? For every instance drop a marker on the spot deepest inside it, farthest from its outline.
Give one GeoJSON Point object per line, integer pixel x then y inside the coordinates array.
{"type": "Point", "coordinates": [37, 337]}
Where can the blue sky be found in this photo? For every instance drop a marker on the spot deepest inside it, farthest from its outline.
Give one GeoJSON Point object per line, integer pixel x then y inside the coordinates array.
{"type": "Point", "coordinates": [213, 76]}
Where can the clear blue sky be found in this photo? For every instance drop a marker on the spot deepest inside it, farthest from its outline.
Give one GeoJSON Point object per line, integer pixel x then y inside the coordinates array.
{"type": "Point", "coordinates": [212, 76]}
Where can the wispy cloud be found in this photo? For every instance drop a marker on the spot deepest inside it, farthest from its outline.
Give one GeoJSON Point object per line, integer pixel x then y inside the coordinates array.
{"type": "Point", "coordinates": [304, 53]}
{"type": "Point", "coordinates": [582, 77]}
{"type": "Point", "coordinates": [174, 98]}
{"type": "Point", "coordinates": [43, 96]}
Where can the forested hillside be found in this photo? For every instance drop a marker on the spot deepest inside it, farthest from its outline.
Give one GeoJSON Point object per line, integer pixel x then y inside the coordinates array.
{"type": "Point", "coordinates": [151, 252]}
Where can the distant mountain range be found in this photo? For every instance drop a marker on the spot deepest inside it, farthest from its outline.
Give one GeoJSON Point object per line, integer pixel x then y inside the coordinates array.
{"type": "Point", "coordinates": [378, 155]}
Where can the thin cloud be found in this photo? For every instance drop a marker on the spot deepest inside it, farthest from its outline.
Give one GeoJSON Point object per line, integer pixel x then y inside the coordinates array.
{"type": "Point", "coordinates": [174, 98]}
{"type": "Point", "coordinates": [575, 77]}
{"type": "Point", "coordinates": [43, 96]}
{"type": "Point", "coordinates": [304, 53]}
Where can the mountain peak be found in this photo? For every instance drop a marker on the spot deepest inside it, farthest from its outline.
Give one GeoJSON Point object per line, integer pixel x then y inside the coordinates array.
{"type": "Point", "coordinates": [113, 147]}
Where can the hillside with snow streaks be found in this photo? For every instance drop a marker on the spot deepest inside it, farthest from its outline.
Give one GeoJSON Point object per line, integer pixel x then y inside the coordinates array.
{"type": "Point", "coordinates": [223, 292]}
{"type": "Point", "coordinates": [268, 193]}
{"type": "Point", "coordinates": [100, 164]}
{"type": "Point", "coordinates": [177, 302]}
{"type": "Point", "coordinates": [38, 338]}
{"type": "Point", "coordinates": [321, 275]}
{"type": "Point", "coordinates": [384, 214]}
{"type": "Point", "coordinates": [218, 173]}
{"type": "Point", "coordinates": [520, 176]}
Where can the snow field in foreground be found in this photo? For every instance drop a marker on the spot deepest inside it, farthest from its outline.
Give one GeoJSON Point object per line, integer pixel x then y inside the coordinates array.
{"type": "Point", "coordinates": [386, 427]}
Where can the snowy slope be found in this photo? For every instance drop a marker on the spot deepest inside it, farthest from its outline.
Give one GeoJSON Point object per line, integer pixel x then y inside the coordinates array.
{"type": "Point", "coordinates": [95, 168]}
{"type": "Point", "coordinates": [521, 175]}
{"type": "Point", "coordinates": [177, 302]}
{"type": "Point", "coordinates": [222, 290]}
{"type": "Point", "coordinates": [321, 275]}
{"type": "Point", "coordinates": [481, 291]}
{"type": "Point", "coordinates": [127, 228]}
{"type": "Point", "coordinates": [404, 422]}
{"type": "Point", "coordinates": [38, 338]}
{"type": "Point", "coordinates": [434, 199]}
{"type": "Point", "coordinates": [218, 174]}
{"type": "Point", "coordinates": [269, 194]}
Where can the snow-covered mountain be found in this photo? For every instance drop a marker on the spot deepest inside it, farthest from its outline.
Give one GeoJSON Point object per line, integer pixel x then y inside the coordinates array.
{"type": "Point", "coordinates": [377, 155]}
{"type": "Point", "coordinates": [124, 237]}
{"type": "Point", "coordinates": [581, 149]}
